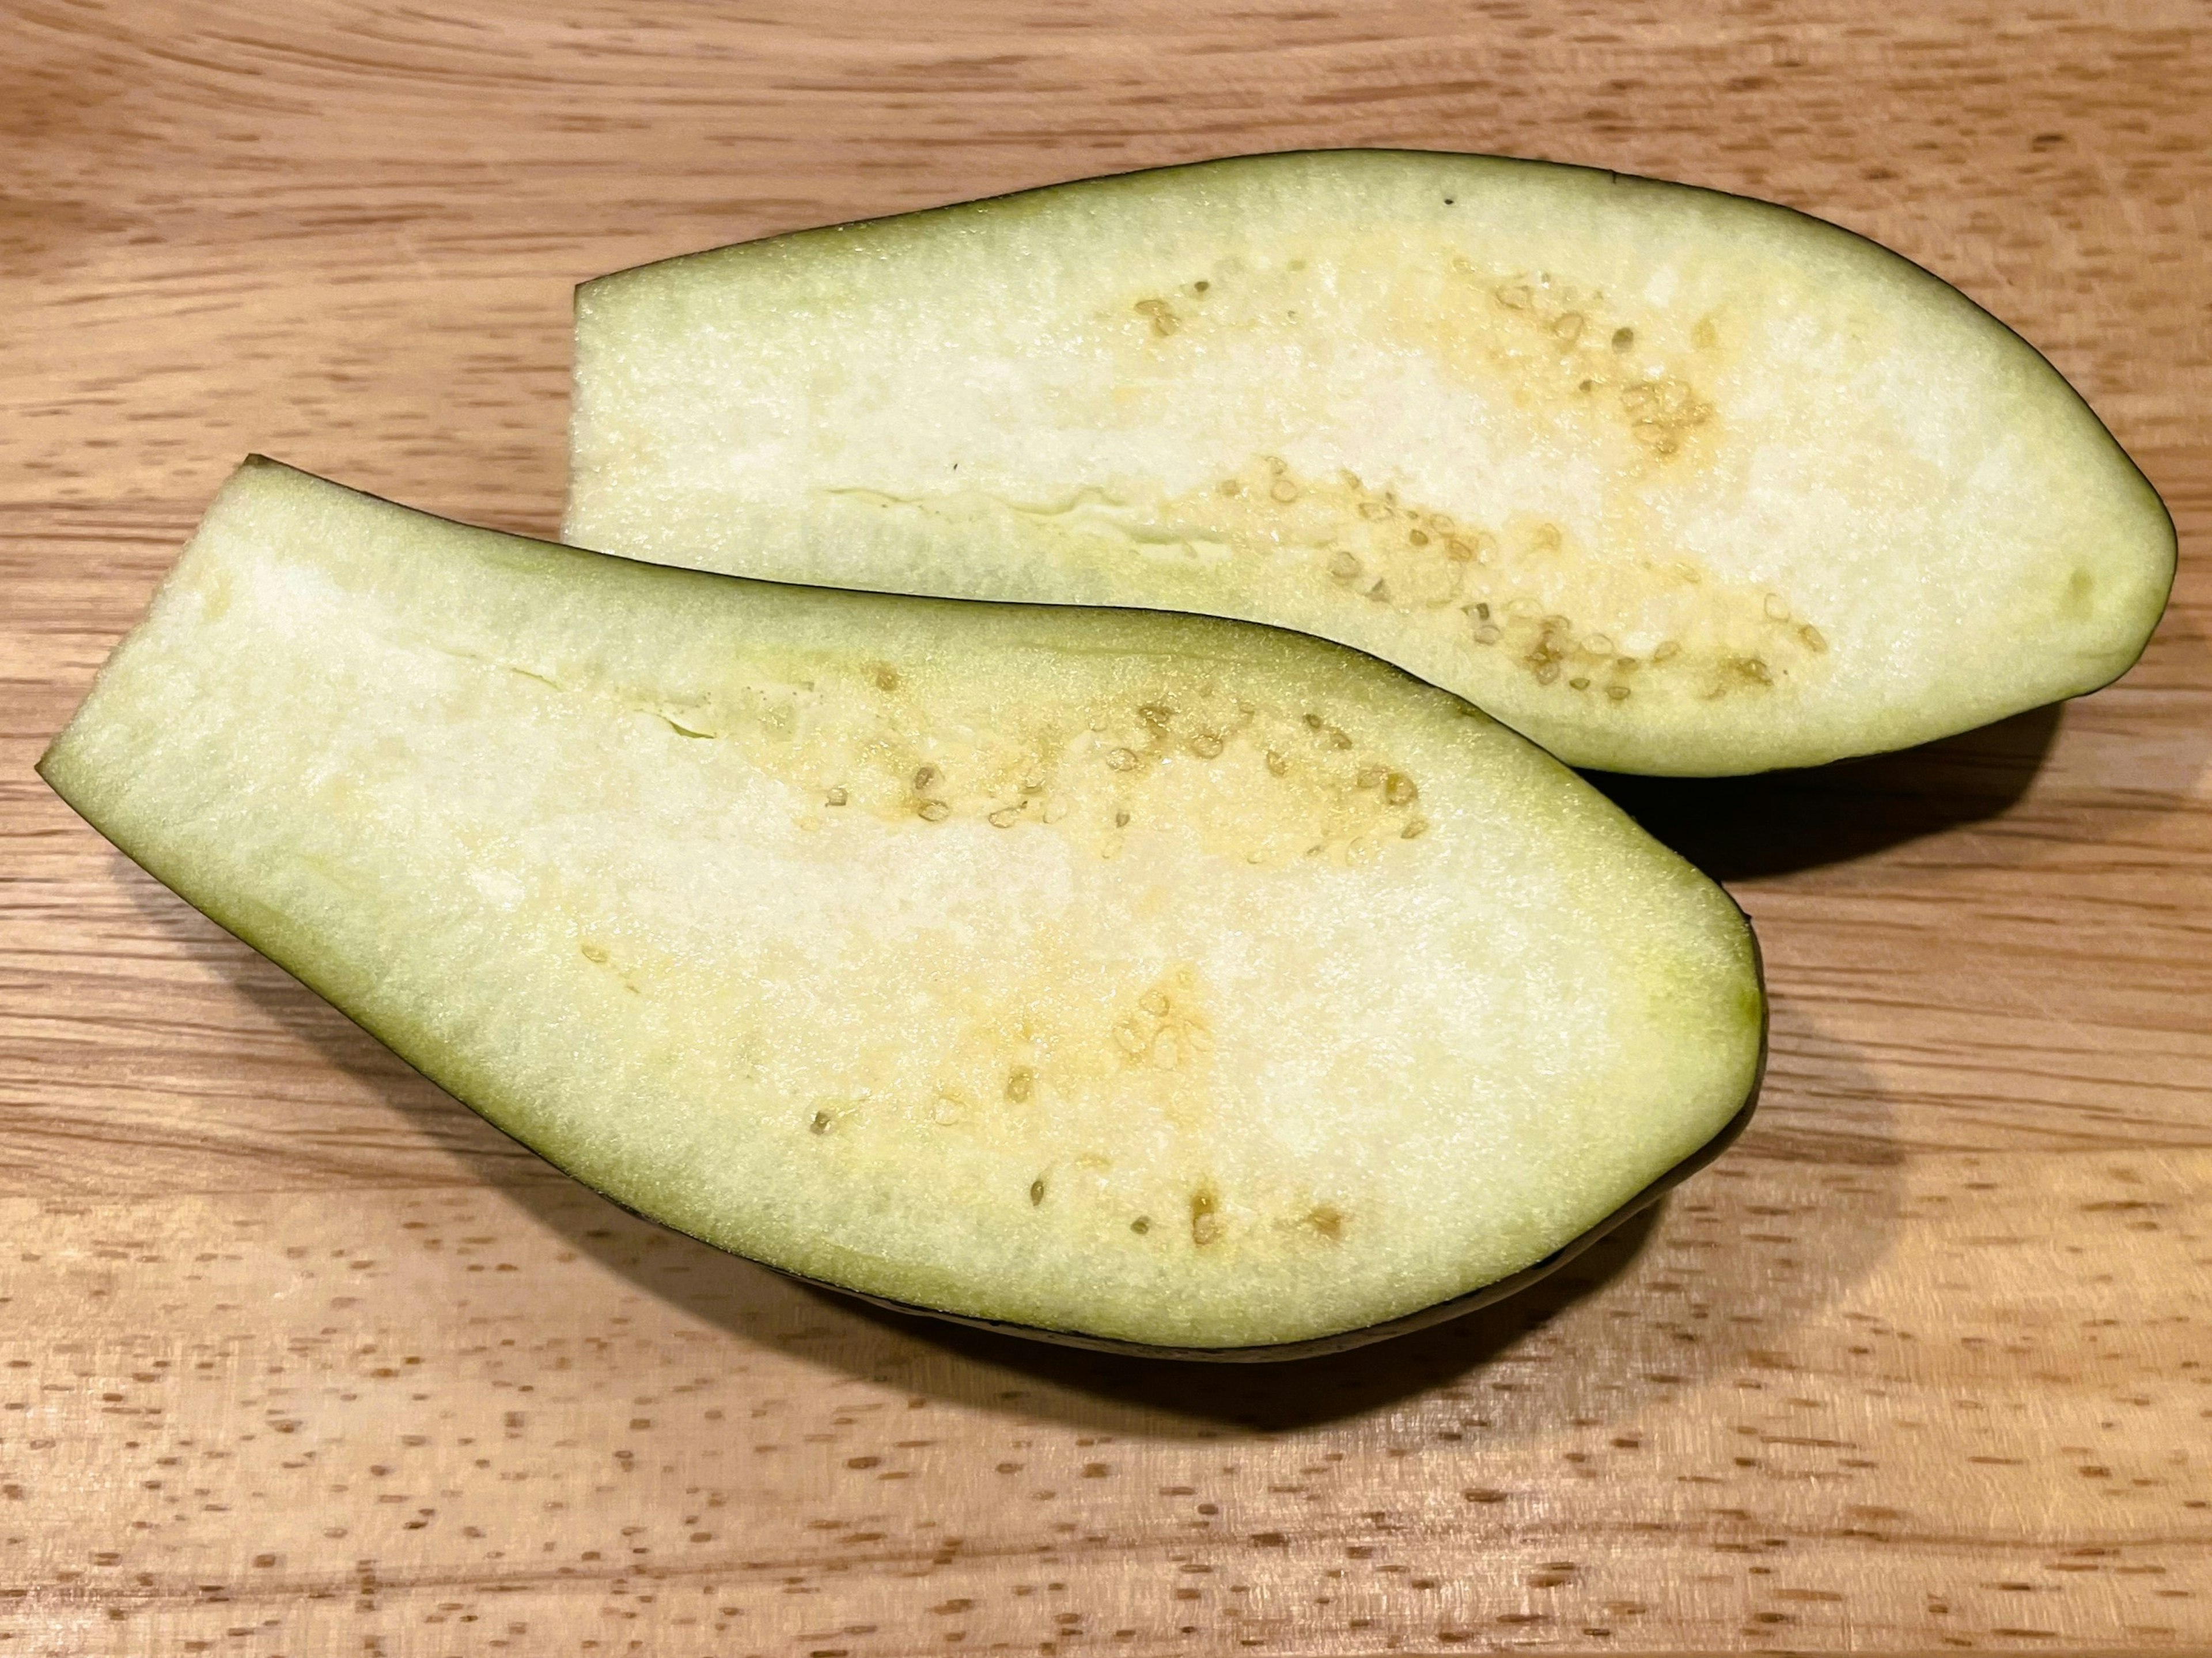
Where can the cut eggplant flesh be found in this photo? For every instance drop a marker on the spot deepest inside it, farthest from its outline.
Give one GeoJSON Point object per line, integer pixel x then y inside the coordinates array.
{"type": "Point", "coordinates": [1669, 481]}
{"type": "Point", "coordinates": [1142, 978]}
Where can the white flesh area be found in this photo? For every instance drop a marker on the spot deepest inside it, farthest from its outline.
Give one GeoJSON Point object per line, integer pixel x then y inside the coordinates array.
{"type": "Point", "coordinates": [1671, 481]}
{"type": "Point", "coordinates": [1155, 977]}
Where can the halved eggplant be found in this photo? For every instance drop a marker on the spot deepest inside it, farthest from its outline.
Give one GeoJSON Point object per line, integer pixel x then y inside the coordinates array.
{"type": "Point", "coordinates": [1669, 481]}
{"type": "Point", "coordinates": [1142, 978]}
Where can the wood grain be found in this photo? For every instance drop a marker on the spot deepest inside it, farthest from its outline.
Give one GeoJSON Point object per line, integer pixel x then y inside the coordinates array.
{"type": "Point", "coordinates": [299, 1357]}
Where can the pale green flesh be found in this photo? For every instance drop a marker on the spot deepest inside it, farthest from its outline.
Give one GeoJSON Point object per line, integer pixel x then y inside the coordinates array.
{"type": "Point", "coordinates": [1669, 481]}
{"type": "Point", "coordinates": [807, 921]}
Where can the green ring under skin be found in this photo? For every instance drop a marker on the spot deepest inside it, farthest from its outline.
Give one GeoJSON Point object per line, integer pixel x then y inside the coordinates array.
{"type": "Point", "coordinates": [1315, 1347]}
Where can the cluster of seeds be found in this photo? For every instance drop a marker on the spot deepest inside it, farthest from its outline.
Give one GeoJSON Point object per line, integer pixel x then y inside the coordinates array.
{"type": "Point", "coordinates": [1555, 652]}
{"type": "Point", "coordinates": [1504, 585]}
{"type": "Point", "coordinates": [1163, 1032]}
{"type": "Point", "coordinates": [1360, 540]}
{"type": "Point", "coordinates": [1660, 408]}
{"type": "Point", "coordinates": [1439, 570]}
{"type": "Point", "coordinates": [1300, 784]}
{"type": "Point", "coordinates": [1289, 784]}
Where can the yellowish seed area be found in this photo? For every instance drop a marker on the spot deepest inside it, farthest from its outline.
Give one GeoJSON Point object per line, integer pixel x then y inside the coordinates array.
{"type": "Point", "coordinates": [1112, 1093]}
{"type": "Point", "coordinates": [1579, 620]}
{"type": "Point", "coordinates": [1554, 345]}
{"type": "Point", "coordinates": [1100, 1071]}
{"type": "Point", "coordinates": [1599, 610]}
{"type": "Point", "coordinates": [1543, 342]}
{"type": "Point", "coordinates": [1263, 783]}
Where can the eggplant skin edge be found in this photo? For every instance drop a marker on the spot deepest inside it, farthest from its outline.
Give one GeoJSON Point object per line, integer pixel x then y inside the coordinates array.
{"type": "Point", "coordinates": [1313, 1347]}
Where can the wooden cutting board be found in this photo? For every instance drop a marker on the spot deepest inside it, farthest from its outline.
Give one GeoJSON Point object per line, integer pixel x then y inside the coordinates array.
{"type": "Point", "coordinates": [300, 1358]}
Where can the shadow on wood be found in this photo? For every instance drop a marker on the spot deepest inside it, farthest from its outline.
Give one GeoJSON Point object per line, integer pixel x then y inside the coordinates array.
{"type": "Point", "coordinates": [1737, 829]}
{"type": "Point", "coordinates": [1281, 1397]}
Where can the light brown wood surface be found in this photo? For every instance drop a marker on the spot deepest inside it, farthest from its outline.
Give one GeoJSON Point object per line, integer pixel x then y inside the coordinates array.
{"type": "Point", "coordinates": [299, 1357]}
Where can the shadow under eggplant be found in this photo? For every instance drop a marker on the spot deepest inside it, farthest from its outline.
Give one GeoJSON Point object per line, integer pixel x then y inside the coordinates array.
{"type": "Point", "coordinates": [1777, 822]}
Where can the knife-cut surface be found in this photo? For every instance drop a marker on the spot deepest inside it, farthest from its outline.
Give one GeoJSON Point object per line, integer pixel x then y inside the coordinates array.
{"type": "Point", "coordinates": [1149, 978]}
{"type": "Point", "coordinates": [1670, 481]}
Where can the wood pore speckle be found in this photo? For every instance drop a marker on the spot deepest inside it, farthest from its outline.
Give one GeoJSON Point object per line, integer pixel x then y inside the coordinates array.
{"type": "Point", "coordinates": [298, 1357]}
